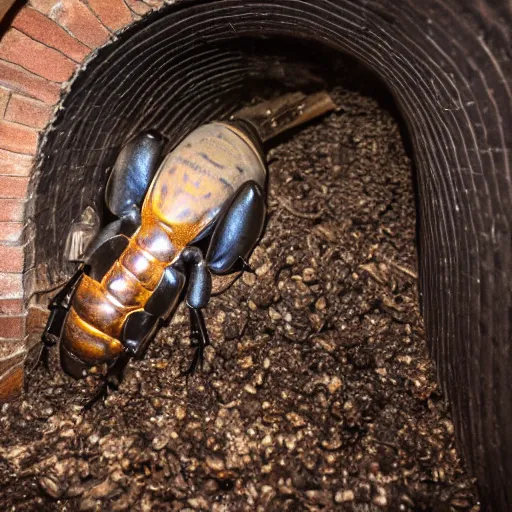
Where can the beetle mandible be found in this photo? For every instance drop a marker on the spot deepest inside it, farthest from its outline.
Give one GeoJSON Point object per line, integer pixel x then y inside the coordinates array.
{"type": "Point", "coordinates": [133, 273]}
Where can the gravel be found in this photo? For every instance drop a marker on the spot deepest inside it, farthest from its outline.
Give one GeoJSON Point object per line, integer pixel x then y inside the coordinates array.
{"type": "Point", "coordinates": [317, 392]}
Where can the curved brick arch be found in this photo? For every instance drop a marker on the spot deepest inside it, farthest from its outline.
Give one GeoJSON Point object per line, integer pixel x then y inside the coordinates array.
{"type": "Point", "coordinates": [46, 42]}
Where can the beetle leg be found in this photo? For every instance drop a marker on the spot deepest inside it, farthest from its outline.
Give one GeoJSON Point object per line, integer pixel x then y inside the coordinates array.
{"type": "Point", "coordinates": [113, 379]}
{"type": "Point", "coordinates": [109, 243]}
{"type": "Point", "coordinates": [234, 236]}
{"type": "Point", "coordinates": [101, 257]}
{"type": "Point", "coordinates": [199, 339]}
{"type": "Point", "coordinates": [59, 307]}
{"type": "Point", "coordinates": [133, 172]}
{"type": "Point", "coordinates": [165, 297]}
{"type": "Point", "coordinates": [245, 267]}
{"type": "Point", "coordinates": [140, 326]}
{"type": "Point", "coordinates": [115, 372]}
{"type": "Point", "coordinates": [200, 279]}
{"type": "Point", "coordinates": [237, 230]}
{"type": "Point", "coordinates": [198, 294]}
{"type": "Point", "coordinates": [100, 395]}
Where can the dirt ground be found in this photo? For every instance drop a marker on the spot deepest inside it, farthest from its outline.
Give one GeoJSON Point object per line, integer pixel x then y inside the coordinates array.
{"type": "Point", "coordinates": [317, 392]}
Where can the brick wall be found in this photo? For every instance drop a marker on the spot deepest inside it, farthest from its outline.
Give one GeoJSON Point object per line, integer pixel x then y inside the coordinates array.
{"type": "Point", "coordinates": [45, 44]}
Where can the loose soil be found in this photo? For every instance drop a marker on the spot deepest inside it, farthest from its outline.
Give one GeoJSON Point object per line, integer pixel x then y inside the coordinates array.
{"type": "Point", "coordinates": [317, 392]}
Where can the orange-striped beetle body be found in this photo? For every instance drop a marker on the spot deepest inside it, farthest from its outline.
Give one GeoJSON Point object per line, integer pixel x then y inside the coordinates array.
{"type": "Point", "coordinates": [209, 189]}
{"type": "Point", "coordinates": [135, 271]}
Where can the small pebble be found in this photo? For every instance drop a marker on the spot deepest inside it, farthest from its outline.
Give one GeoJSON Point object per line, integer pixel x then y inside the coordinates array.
{"type": "Point", "coordinates": [344, 496]}
{"type": "Point", "coordinates": [273, 314]}
{"type": "Point", "coordinates": [249, 388]}
{"type": "Point", "coordinates": [215, 463]}
{"type": "Point", "coordinates": [180, 412]}
{"type": "Point", "coordinates": [50, 487]}
{"type": "Point", "coordinates": [334, 384]}
{"type": "Point", "coordinates": [309, 275]}
{"type": "Point", "coordinates": [102, 489]}
{"type": "Point", "coordinates": [321, 304]}
{"type": "Point", "coordinates": [379, 500]}
{"type": "Point", "coordinates": [159, 442]}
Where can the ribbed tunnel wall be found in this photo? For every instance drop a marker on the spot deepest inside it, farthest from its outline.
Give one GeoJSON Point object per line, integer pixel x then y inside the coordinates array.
{"type": "Point", "coordinates": [449, 70]}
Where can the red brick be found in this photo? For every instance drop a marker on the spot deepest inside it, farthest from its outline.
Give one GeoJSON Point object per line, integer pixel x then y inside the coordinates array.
{"type": "Point", "coordinates": [14, 164]}
{"type": "Point", "coordinates": [11, 232]}
{"type": "Point", "coordinates": [113, 14]}
{"type": "Point", "coordinates": [11, 258]}
{"type": "Point", "coordinates": [27, 111]}
{"type": "Point", "coordinates": [39, 27]}
{"type": "Point", "coordinates": [155, 4]}
{"type": "Point", "coordinates": [5, 5]}
{"type": "Point", "coordinates": [11, 210]}
{"type": "Point", "coordinates": [11, 306]}
{"type": "Point", "coordinates": [11, 383]}
{"type": "Point", "coordinates": [12, 327]}
{"type": "Point", "coordinates": [18, 79]}
{"type": "Point", "coordinates": [11, 286]}
{"type": "Point", "coordinates": [20, 49]}
{"type": "Point", "coordinates": [81, 22]}
{"type": "Point", "coordinates": [4, 99]}
{"type": "Point", "coordinates": [44, 6]}
{"type": "Point", "coordinates": [13, 187]}
{"type": "Point", "coordinates": [138, 7]}
{"type": "Point", "coordinates": [18, 138]}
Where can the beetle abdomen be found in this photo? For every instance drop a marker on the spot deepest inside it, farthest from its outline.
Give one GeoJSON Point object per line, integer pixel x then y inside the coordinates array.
{"type": "Point", "coordinates": [94, 307]}
{"type": "Point", "coordinates": [199, 177]}
{"type": "Point", "coordinates": [95, 322]}
{"type": "Point", "coordinates": [88, 343]}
